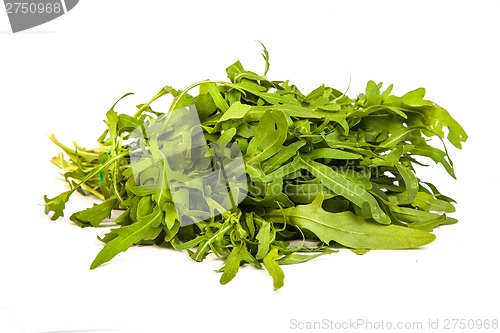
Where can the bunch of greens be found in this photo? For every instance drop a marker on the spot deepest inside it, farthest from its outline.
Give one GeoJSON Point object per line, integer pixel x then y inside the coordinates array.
{"type": "Point", "coordinates": [324, 171]}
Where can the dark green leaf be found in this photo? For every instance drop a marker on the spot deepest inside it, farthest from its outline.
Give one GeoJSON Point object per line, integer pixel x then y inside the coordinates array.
{"type": "Point", "coordinates": [351, 230]}
{"type": "Point", "coordinates": [342, 186]}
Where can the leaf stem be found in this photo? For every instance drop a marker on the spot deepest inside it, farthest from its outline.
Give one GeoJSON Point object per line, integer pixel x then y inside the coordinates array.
{"type": "Point", "coordinates": [145, 106]}
{"type": "Point", "coordinates": [94, 192]}
{"type": "Point", "coordinates": [201, 250]}
{"type": "Point", "coordinates": [178, 97]}
{"type": "Point", "coordinates": [95, 172]}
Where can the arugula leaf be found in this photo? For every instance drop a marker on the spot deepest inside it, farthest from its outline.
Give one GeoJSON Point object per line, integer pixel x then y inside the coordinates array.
{"type": "Point", "coordinates": [217, 96]}
{"type": "Point", "coordinates": [265, 238]}
{"type": "Point", "coordinates": [436, 155]}
{"type": "Point", "coordinates": [285, 153]}
{"type": "Point", "coordinates": [265, 55]}
{"type": "Point", "coordinates": [57, 204]}
{"type": "Point", "coordinates": [238, 255]}
{"type": "Point", "coordinates": [438, 118]}
{"type": "Point", "coordinates": [273, 267]}
{"type": "Point", "coordinates": [350, 230]}
{"type": "Point", "coordinates": [430, 203]}
{"type": "Point", "coordinates": [95, 215]}
{"type": "Point", "coordinates": [297, 258]}
{"type": "Point", "coordinates": [330, 153]}
{"type": "Point", "coordinates": [126, 237]}
{"type": "Point", "coordinates": [342, 186]}
{"type": "Point", "coordinates": [235, 111]}
{"type": "Point", "coordinates": [271, 134]}
{"type": "Point", "coordinates": [372, 94]}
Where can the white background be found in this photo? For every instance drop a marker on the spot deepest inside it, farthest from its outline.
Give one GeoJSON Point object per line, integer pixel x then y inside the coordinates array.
{"type": "Point", "coordinates": [62, 77]}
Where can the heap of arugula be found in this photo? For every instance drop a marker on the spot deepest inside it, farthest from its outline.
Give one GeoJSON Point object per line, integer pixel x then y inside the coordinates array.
{"type": "Point", "coordinates": [324, 171]}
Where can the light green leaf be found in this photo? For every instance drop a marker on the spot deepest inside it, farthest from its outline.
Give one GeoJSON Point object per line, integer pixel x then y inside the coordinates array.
{"type": "Point", "coordinates": [414, 97]}
{"type": "Point", "coordinates": [57, 204]}
{"type": "Point", "coordinates": [216, 96]}
{"type": "Point", "coordinates": [227, 136]}
{"type": "Point", "coordinates": [439, 118]}
{"type": "Point", "coordinates": [273, 267]}
{"type": "Point", "coordinates": [265, 237]}
{"type": "Point", "coordinates": [95, 215]}
{"type": "Point", "coordinates": [265, 55]}
{"type": "Point", "coordinates": [235, 111]}
{"type": "Point", "coordinates": [399, 135]}
{"type": "Point", "coordinates": [437, 155]}
{"type": "Point", "coordinates": [238, 255]}
{"type": "Point", "coordinates": [372, 93]}
{"type": "Point", "coordinates": [430, 203]}
{"type": "Point", "coordinates": [297, 258]}
{"type": "Point", "coordinates": [410, 180]}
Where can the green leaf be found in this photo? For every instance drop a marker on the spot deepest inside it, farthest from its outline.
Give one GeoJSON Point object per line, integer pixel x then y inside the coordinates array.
{"type": "Point", "coordinates": [127, 236]}
{"type": "Point", "coordinates": [315, 94]}
{"type": "Point", "coordinates": [430, 203]}
{"type": "Point", "coordinates": [372, 94]}
{"type": "Point", "coordinates": [414, 97]}
{"type": "Point", "coordinates": [291, 110]}
{"type": "Point", "coordinates": [273, 267]}
{"type": "Point", "coordinates": [265, 55]}
{"type": "Point", "coordinates": [285, 153]}
{"type": "Point", "coordinates": [350, 230]}
{"type": "Point", "coordinates": [233, 71]}
{"type": "Point", "coordinates": [273, 98]}
{"type": "Point", "coordinates": [399, 135]}
{"type": "Point", "coordinates": [410, 180]}
{"type": "Point", "coordinates": [127, 123]}
{"type": "Point", "coordinates": [208, 242]}
{"type": "Point", "coordinates": [235, 111]}
{"type": "Point", "coordinates": [238, 255]}
{"type": "Point", "coordinates": [95, 215]}
{"type": "Point", "coordinates": [412, 214]}
{"type": "Point", "coordinates": [330, 107]}
{"type": "Point", "coordinates": [265, 238]}
{"type": "Point", "coordinates": [271, 134]}
{"type": "Point", "coordinates": [438, 194]}
{"type": "Point", "coordinates": [437, 155]}
{"type": "Point", "coordinates": [341, 185]}
{"type": "Point", "coordinates": [57, 204]}
{"type": "Point", "coordinates": [391, 108]}
{"type": "Point", "coordinates": [205, 106]}
{"type": "Point", "coordinates": [430, 224]}
{"type": "Point", "coordinates": [187, 245]}
{"type": "Point", "coordinates": [297, 258]}
{"type": "Point", "coordinates": [386, 92]}
{"type": "Point", "coordinates": [439, 118]}
{"type": "Point", "coordinates": [330, 153]}
{"type": "Point", "coordinates": [216, 96]}
{"type": "Point", "coordinates": [281, 172]}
